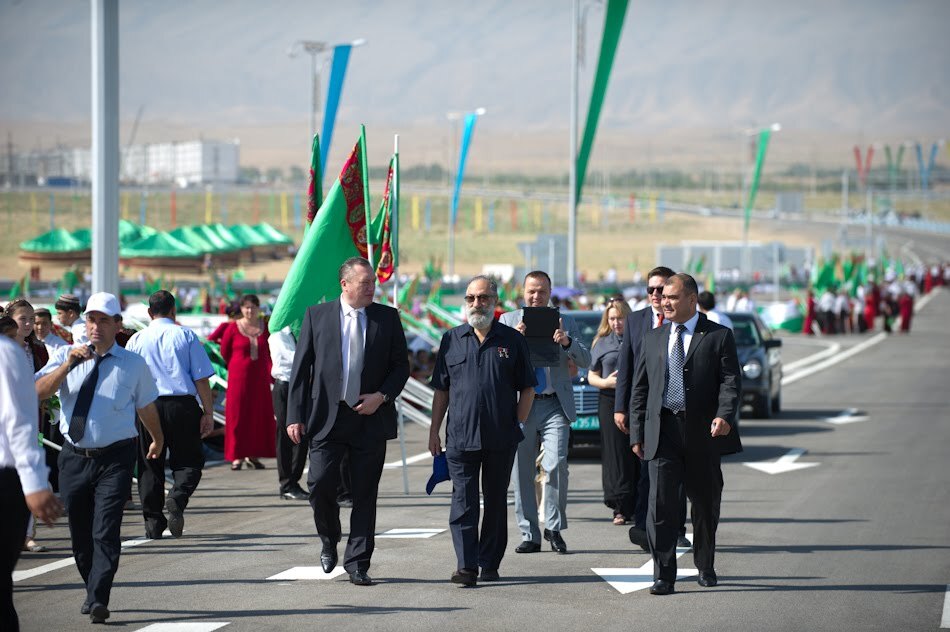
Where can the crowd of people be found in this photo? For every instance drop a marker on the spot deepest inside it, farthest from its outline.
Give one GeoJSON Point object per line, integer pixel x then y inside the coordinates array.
{"type": "Point", "coordinates": [327, 393]}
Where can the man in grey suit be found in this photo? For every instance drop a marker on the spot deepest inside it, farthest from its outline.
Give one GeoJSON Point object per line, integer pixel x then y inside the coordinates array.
{"type": "Point", "coordinates": [682, 418]}
{"type": "Point", "coordinates": [550, 420]}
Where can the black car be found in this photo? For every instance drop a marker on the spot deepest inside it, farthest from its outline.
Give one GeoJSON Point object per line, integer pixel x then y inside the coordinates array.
{"type": "Point", "coordinates": [586, 428]}
{"type": "Point", "coordinates": [760, 358]}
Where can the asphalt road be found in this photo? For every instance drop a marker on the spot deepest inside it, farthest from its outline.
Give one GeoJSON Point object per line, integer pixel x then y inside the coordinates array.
{"type": "Point", "coordinates": [860, 541]}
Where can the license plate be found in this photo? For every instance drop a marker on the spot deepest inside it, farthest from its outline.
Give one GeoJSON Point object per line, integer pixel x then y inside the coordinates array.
{"type": "Point", "coordinates": [588, 422]}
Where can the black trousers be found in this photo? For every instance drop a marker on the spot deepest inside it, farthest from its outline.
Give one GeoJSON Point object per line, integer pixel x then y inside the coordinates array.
{"type": "Point", "coordinates": [351, 435]}
{"type": "Point", "coordinates": [12, 527]}
{"type": "Point", "coordinates": [620, 467]}
{"type": "Point", "coordinates": [487, 548]}
{"type": "Point", "coordinates": [94, 490]}
{"type": "Point", "coordinates": [676, 469]}
{"type": "Point", "coordinates": [51, 433]}
{"type": "Point", "coordinates": [181, 424]}
{"type": "Point", "coordinates": [291, 457]}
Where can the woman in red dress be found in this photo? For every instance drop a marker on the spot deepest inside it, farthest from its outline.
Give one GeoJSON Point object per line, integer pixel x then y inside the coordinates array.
{"type": "Point", "coordinates": [250, 426]}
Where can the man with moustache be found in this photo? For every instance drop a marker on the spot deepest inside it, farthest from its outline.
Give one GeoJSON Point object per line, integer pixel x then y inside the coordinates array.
{"type": "Point", "coordinates": [635, 328]}
{"type": "Point", "coordinates": [342, 405]}
{"type": "Point", "coordinates": [550, 421]}
{"type": "Point", "coordinates": [483, 377]}
{"type": "Point", "coordinates": [682, 414]}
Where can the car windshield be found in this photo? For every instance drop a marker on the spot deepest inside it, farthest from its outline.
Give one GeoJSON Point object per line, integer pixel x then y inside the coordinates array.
{"type": "Point", "coordinates": [746, 333]}
{"type": "Point", "coordinates": [587, 324]}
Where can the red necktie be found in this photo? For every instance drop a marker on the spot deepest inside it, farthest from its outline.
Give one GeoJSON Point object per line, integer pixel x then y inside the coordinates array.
{"type": "Point", "coordinates": [659, 319]}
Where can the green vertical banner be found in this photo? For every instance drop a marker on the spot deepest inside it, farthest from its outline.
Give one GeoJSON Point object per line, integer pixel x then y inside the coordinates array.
{"type": "Point", "coordinates": [764, 136]}
{"type": "Point", "coordinates": [613, 25]}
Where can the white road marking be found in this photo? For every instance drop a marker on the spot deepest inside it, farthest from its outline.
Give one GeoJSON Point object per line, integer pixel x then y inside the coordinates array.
{"type": "Point", "coordinates": [409, 533]}
{"type": "Point", "coordinates": [831, 348]}
{"type": "Point", "coordinates": [308, 572]}
{"type": "Point", "coordinates": [409, 461]}
{"type": "Point", "coordinates": [19, 576]}
{"type": "Point", "coordinates": [185, 626]}
{"type": "Point", "coordinates": [628, 580]}
{"type": "Point", "coordinates": [847, 416]}
{"type": "Point", "coordinates": [945, 619]}
{"type": "Point", "coordinates": [841, 357]}
{"type": "Point", "coordinates": [785, 463]}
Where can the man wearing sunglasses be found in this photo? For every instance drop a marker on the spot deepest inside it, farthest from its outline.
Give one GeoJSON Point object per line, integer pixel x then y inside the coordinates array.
{"type": "Point", "coordinates": [635, 328]}
{"type": "Point", "coordinates": [550, 421]}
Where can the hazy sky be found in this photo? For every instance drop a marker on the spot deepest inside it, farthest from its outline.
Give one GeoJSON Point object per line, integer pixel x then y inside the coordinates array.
{"type": "Point", "coordinates": [868, 66]}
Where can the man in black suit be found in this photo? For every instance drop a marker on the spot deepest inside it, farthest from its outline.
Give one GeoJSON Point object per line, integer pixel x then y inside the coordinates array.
{"type": "Point", "coordinates": [682, 410]}
{"type": "Point", "coordinates": [635, 328]}
{"type": "Point", "coordinates": [345, 406]}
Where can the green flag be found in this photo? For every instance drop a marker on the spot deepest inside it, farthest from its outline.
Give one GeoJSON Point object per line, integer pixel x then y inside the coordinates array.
{"type": "Point", "coordinates": [613, 25]}
{"type": "Point", "coordinates": [337, 233]}
{"type": "Point", "coordinates": [315, 191]}
{"type": "Point", "coordinates": [764, 136]}
{"type": "Point", "coordinates": [383, 227]}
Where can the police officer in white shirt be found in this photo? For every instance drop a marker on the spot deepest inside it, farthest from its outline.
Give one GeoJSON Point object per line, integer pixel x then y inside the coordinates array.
{"type": "Point", "coordinates": [23, 474]}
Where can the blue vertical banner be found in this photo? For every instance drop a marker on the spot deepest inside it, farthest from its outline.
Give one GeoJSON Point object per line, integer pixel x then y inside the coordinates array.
{"type": "Point", "coordinates": [52, 212]}
{"type": "Point", "coordinates": [143, 207]}
{"type": "Point", "coordinates": [491, 216]}
{"type": "Point", "coordinates": [463, 156]}
{"type": "Point", "coordinates": [428, 215]}
{"type": "Point", "coordinates": [297, 218]}
{"type": "Point", "coordinates": [925, 169]}
{"type": "Point", "coordinates": [341, 57]}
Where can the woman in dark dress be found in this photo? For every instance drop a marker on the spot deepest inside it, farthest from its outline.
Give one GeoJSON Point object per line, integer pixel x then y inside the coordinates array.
{"type": "Point", "coordinates": [620, 467]}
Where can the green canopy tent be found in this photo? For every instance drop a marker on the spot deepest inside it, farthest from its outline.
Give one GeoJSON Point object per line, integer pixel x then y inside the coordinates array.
{"type": "Point", "coordinates": [221, 255]}
{"type": "Point", "coordinates": [260, 247]}
{"type": "Point", "coordinates": [56, 245]}
{"type": "Point", "coordinates": [162, 251]}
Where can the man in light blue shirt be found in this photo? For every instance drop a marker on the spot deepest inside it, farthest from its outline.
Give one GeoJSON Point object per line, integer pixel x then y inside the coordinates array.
{"type": "Point", "coordinates": [101, 387]}
{"type": "Point", "coordinates": [181, 368]}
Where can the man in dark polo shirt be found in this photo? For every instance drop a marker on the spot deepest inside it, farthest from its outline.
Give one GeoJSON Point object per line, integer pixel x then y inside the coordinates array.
{"type": "Point", "coordinates": [483, 377]}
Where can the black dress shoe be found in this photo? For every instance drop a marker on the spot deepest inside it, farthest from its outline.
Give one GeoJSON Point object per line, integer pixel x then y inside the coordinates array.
{"type": "Point", "coordinates": [489, 575]}
{"type": "Point", "coordinates": [98, 613]}
{"type": "Point", "coordinates": [528, 547]}
{"type": "Point", "coordinates": [176, 519]}
{"type": "Point", "coordinates": [360, 578]}
{"type": "Point", "coordinates": [683, 542]}
{"type": "Point", "coordinates": [86, 608]}
{"type": "Point", "coordinates": [557, 542]}
{"type": "Point", "coordinates": [328, 557]}
{"type": "Point", "coordinates": [639, 537]}
{"type": "Point", "coordinates": [295, 494]}
{"type": "Point", "coordinates": [344, 501]}
{"type": "Point", "coordinates": [662, 587]}
{"type": "Point", "coordinates": [707, 579]}
{"type": "Point", "coordinates": [466, 577]}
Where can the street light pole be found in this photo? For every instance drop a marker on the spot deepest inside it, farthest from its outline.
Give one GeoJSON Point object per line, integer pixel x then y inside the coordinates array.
{"type": "Point", "coordinates": [572, 178]}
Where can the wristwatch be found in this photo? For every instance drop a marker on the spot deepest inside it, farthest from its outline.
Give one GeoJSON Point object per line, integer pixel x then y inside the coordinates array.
{"type": "Point", "coordinates": [385, 398]}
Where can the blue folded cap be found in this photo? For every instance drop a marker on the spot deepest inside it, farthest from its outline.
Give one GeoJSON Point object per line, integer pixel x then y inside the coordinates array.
{"type": "Point", "coordinates": [440, 472]}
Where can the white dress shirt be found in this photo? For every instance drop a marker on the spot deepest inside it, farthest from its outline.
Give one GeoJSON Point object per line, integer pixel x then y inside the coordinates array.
{"type": "Point", "coordinates": [282, 345]}
{"type": "Point", "coordinates": [719, 318]}
{"type": "Point", "coordinates": [78, 330]}
{"type": "Point", "coordinates": [52, 342]}
{"type": "Point", "coordinates": [687, 335]}
{"type": "Point", "coordinates": [19, 417]}
{"type": "Point", "coordinates": [345, 311]}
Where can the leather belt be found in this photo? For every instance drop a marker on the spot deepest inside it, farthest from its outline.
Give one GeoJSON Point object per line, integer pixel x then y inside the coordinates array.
{"type": "Point", "coordinates": [91, 453]}
{"type": "Point", "coordinates": [666, 412]}
{"type": "Point", "coordinates": [545, 395]}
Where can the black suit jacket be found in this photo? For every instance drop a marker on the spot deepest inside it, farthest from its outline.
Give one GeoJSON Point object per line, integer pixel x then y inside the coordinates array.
{"type": "Point", "coordinates": [712, 380]}
{"type": "Point", "coordinates": [316, 380]}
{"type": "Point", "coordinates": [635, 328]}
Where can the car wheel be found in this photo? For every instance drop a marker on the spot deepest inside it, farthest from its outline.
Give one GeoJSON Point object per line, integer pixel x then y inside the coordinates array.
{"type": "Point", "coordinates": [777, 403]}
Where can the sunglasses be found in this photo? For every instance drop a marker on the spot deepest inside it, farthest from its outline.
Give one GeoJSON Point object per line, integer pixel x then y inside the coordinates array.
{"type": "Point", "coordinates": [655, 290]}
{"type": "Point", "coordinates": [481, 298]}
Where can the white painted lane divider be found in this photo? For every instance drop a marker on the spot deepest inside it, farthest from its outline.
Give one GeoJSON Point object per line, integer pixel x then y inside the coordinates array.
{"type": "Point", "coordinates": [307, 572]}
{"type": "Point", "coordinates": [785, 463]}
{"type": "Point", "coordinates": [185, 626]}
{"type": "Point", "coordinates": [409, 461]}
{"type": "Point", "coordinates": [848, 416]}
{"type": "Point", "coordinates": [409, 533]}
{"type": "Point", "coordinates": [831, 348]}
{"type": "Point", "coordinates": [19, 576]}
{"type": "Point", "coordinates": [828, 362]}
{"type": "Point", "coordinates": [945, 619]}
{"type": "Point", "coordinates": [628, 580]}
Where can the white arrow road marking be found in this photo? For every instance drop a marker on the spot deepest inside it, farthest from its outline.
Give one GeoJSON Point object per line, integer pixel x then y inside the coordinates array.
{"type": "Point", "coordinates": [185, 626]}
{"type": "Point", "coordinates": [308, 572]}
{"type": "Point", "coordinates": [848, 416]}
{"type": "Point", "coordinates": [19, 576]}
{"type": "Point", "coordinates": [945, 619]}
{"type": "Point", "coordinates": [410, 533]}
{"type": "Point", "coordinates": [785, 463]}
{"type": "Point", "coordinates": [628, 580]}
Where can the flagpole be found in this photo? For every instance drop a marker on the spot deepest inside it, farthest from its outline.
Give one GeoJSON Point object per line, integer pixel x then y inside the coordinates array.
{"type": "Point", "coordinates": [395, 224]}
